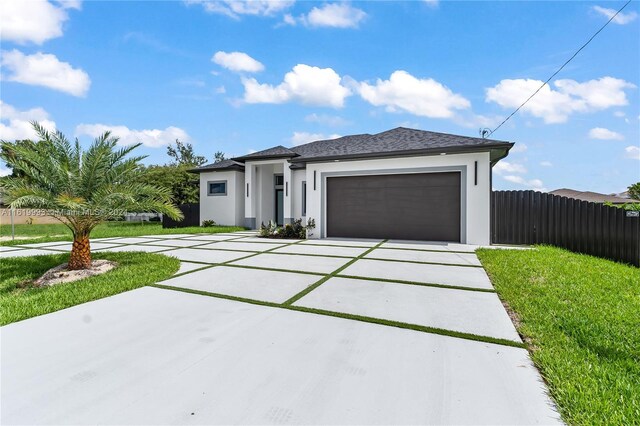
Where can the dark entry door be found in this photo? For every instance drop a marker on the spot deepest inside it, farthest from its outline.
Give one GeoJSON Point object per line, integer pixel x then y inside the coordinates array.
{"type": "Point", "coordinates": [424, 206]}
{"type": "Point", "coordinates": [279, 207]}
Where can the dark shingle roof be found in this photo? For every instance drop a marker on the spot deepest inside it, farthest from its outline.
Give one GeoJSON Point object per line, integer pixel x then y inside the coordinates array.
{"type": "Point", "coordinates": [220, 166]}
{"type": "Point", "coordinates": [275, 152]}
{"type": "Point", "coordinates": [395, 141]}
{"type": "Point", "coordinates": [593, 197]}
{"type": "Point", "coordinates": [399, 141]}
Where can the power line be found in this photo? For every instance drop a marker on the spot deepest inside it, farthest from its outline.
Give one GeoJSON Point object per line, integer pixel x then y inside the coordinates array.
{"type": "Point", "coordinates": [484, 135]}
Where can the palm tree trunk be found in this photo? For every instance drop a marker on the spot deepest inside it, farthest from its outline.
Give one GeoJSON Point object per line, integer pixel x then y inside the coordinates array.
{"type": "Point", "coordinates": [80, 257]}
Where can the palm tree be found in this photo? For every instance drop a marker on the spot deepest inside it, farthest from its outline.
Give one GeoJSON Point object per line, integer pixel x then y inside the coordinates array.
{"type": "Point", "coordinates": [80, 188]}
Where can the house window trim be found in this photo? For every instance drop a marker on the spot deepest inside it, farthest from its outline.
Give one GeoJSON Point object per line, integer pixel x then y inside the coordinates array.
{"type": "Point", "coordinates": [221, 194]}
{"type": "Point", "coordinates": [304, 198]}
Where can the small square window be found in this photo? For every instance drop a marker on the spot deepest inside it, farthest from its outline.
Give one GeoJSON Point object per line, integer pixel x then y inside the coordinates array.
{"type": "Point", "coordinates": [217, 187]}
{"type": "Point", "coordinates": [279, 180]}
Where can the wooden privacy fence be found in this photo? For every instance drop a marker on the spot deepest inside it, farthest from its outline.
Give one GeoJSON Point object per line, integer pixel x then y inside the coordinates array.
{"type": "Point", "coordinates": [191, 214]}
{"type": "Point", "coordinates": [531, 217]}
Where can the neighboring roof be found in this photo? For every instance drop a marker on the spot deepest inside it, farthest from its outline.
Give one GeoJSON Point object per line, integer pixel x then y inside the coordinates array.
{"type": "Point", "coordinates": [220, 166]}
{"type": "Point", "coordinates": [395, 142]}
{"type": "Point", "coordinates": [593, 197]}
{"type": "Point", "coordinates": [275, 152]}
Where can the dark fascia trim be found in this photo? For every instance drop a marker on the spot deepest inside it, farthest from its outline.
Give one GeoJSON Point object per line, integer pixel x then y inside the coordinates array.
{"type": "Point", "coordinates": [410, 153]}
{"type": "Point", "coordinates": [264, 157]}
{"type": "Point", "coordinates": [235, 167]}
{"type": "Point", "coordinates": [500, 154]}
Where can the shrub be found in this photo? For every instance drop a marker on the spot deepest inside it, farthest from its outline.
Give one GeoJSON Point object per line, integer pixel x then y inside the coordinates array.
{"type": "Point", "coordinates": [208, 223]}
{"type": "Point", "coordinates": [295, 230]}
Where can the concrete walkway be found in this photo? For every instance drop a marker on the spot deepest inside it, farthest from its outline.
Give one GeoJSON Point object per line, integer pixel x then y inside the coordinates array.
{"type": "Point", "coordinates": [321, 331]}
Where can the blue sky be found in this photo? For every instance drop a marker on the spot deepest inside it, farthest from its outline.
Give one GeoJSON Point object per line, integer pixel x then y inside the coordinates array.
{"type": "Point", "coordinates": [244, 76]}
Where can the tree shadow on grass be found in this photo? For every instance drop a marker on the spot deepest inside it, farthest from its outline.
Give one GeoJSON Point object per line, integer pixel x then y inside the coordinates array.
{"type": "Point", "coordinates": [20, 271]}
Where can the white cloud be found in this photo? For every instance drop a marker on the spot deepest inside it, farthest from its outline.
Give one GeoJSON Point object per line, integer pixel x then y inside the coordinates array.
{"type": "Point", "coordinates": [546, 164]}
{"type": "Point", "coordinates": [70, 4]}
{"type": "Point", "coordinates": [432, 3]}
{"type": "Point", "coordinates": [300, 138]}
{"type": "Point", "coordinates": [221, 90]}
{"type": "Point", "coordinates": [632, 152]}
{"type": "Point", "coordinates": [332, 15]}
{"type": "Point", "coordinates": [535, 184]}
{"type": "Point", "coordinates": [472, 120]}
{"type": "Point", "coordinates": [33, 21]}
{"type": "Point", "coordinates": [328, 120]}
{"type": "Point", "coordinates": [506, 167]}
{"type": "Point", "coordinates": [335, 15]}
{"type": "Point", "coordinates": [604, 134]}
{"type": "Point", "coordinates": [555, 106]}
{"type": "Point", "coordinates": [423, 97]}
{"type": "Point", "coordinates": [305, 84]}
{"type": "Point", "coordinates": [15, 124]}
{"type": "Point", "coordinates": [237, 61]}
{"type": "Point", "coordinates": [619, 114]}
{"type": "Point", "coordinates": [289, 19]}
{"type": "Point", "coordinates": [4, 171]}
{"type": "Point", "coordinates": [621, 19]}
{"type": "Point", "coordinates": [519, 147]}
{"type": "Point", "coordinates": [236, 8]}
{"type": "Point", "coordinates": [46, 70]}
{"type": "Point", "coordinates": [153, 138]}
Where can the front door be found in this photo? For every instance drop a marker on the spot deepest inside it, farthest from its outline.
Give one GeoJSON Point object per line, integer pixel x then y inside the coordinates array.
{"type": "Point", "coordinates": [279, 207]}
{"type": "Point", "coordinates": [279, 187]}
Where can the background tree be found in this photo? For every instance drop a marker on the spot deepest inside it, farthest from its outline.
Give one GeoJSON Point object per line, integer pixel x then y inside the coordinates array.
{"type": "Point", "coordinates": [80, 188]}
{"type": "Point", "coordinates": [634, 191]}
{"type": "Point", "coordinates": [183, 186]}
{"type": "Point", "coordinates": [176, 176]}
{"type": "Point", "coordinates": [184, 155]}
{"type": "Point", "coordinates": [8, 150]}
{"type": "Point", "coordinates": [218, 157]}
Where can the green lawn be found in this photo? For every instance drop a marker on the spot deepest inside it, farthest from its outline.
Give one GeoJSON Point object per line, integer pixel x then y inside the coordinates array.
{"type": "Point", "coordinates": [20, 301]}
{"type": "Point", "coordinates": [59, 232]}
{"type": "Point", "coordinates": [581, 317]}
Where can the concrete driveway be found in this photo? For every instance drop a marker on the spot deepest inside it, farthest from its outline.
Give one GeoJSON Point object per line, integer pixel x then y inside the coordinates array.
{"type": "Point", "coordinates": [279, 332]}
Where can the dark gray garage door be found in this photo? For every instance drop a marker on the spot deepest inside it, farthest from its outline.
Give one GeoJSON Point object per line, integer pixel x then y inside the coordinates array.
{"type": "Point", "coordinates": [423, 206]}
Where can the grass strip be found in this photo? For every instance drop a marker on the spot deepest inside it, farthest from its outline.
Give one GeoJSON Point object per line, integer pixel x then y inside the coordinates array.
{"type": "Point", "coordinates": [335, 245]}
{"type": "Point", "coordinates": [361, 318]}
{"type": "Point", "coordinates": [191, 271]}
{"type": "Point", "coordinates": [447, 286]}
{"type": "Point", "coordinates": [317, 284]}
{"type": "Point", "coordinates": [424, 263]}
{"type": "Point", "coordinates": [335, 256]}
{"type": "Point", "coordinates": [263, 268]}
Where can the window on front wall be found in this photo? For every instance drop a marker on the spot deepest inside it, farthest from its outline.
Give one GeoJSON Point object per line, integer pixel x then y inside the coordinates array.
{"type": "Point", "coordinates": [217, 188]}
{"type": "Point", "coordinates": [304, 198]}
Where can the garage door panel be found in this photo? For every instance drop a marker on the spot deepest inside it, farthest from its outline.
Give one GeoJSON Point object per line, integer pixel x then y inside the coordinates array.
{"type": "Point", "coordinates": [408, 206]}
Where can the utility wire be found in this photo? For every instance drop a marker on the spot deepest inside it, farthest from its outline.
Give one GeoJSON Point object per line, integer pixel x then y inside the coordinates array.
{"type": "Point", "coordinates": [559, 69]}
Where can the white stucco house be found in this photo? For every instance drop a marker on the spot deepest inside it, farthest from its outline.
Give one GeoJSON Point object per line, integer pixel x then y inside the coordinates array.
{"type": "Point", "coordinates": [399, 184]}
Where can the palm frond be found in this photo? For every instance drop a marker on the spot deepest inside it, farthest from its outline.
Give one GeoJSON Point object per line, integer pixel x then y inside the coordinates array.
{"type": "Point", "coordinates": [81, 187]}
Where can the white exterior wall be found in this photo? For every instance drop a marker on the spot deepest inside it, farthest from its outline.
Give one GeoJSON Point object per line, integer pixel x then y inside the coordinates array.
{"type": "Point", "coordinates": [223, 209]}
{"type": "Point", "coordinates": [297, 176]}
{"type": "Point", "coordinates": [260, 205]}
{"type": "Point", "coordinates": [475, 202]}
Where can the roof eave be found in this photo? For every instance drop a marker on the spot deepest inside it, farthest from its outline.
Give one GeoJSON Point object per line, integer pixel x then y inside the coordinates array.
{"type": "Point", "coordinates": [244, 159]}
{"type": "Point", "coordinates": [236, 168]}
